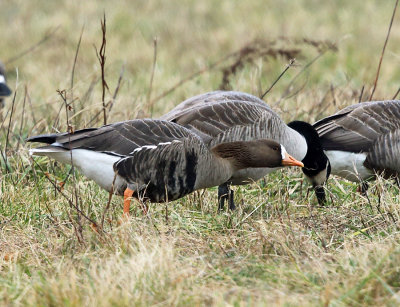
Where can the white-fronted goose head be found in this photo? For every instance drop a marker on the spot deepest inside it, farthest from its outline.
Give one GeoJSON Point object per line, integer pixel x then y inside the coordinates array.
{"type": "Point", "coordinates": [363, 139]}
{"type": "Point", "coordinates": [4, 89]}
{"type": "Point", "coordinates": [222, 116]}
{"type": "Point", "coordinates": [156, 160]}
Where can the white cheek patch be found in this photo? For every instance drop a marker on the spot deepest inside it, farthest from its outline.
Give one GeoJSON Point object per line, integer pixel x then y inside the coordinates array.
{"type": "Point", "coordinates": [2, 79]}
{"type": "Point", "coordinates": [283, 152]}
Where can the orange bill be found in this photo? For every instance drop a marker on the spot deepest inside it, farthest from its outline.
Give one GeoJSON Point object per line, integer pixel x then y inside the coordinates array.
{"type": "Point", "coordinates": [290, 161]}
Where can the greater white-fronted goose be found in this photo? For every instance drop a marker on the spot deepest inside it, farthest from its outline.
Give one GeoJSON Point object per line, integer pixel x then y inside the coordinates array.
{"type": "Point", "coordinates": [227, 116]}
{"type": "Point", "coordinates": [4, 89]}
{"type": "Point", "coordinates": [156, 160]}
{"type": "Point", "coordinates": [362, 140]}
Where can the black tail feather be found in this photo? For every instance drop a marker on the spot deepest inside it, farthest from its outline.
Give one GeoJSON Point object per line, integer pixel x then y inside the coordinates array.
{"type": "Point", "coordinates": [44, 138]}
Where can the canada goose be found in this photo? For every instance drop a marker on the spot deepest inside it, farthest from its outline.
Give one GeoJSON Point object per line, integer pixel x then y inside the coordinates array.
{"type": "Point", "coordinates": [227, 116]}
{"type": "Point", "coordinates": [362, 140]}
{"type": "Point", "coordinates": [156, 160]}
{"type": "Point", "coordinates": [4, 89]}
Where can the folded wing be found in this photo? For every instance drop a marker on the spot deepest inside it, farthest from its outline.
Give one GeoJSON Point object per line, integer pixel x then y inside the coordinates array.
{"type": "Point", "coordinates": [356, 128]}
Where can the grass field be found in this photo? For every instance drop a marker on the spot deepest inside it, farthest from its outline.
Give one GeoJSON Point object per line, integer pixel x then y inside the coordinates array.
{"type": "Point", "coordinates": [279, 247]}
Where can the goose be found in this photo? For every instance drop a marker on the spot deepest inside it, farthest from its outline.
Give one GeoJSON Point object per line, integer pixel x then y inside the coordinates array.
{"type": "Point", "coordinates": [227, 116]}
{"type": "Point", "coordinates": [363, 140]}
{"type": "Point", "coordinates": [4, 89]}
{"type": "Point", "coordinates": [155, 160]}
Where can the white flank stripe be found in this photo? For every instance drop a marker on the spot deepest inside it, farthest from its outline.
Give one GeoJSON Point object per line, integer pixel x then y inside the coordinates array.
{"type": "Point", "coordinates": [153, 146]}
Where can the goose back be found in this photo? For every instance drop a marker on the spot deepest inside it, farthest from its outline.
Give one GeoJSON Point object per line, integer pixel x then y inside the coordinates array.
{"type": "Point", "coordinates": [357, 127]}
{"type": "Point", "coordinates": [215, 97]}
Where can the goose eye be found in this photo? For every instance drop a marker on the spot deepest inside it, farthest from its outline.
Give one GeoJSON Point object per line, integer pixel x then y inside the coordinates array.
{"type": "Point", "coordinates": [275, 148]}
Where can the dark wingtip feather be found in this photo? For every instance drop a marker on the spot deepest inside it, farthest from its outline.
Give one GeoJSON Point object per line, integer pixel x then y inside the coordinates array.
{"type": "Point", "coordinates": [43, 138]}
{"type": "Point", "coordinates": [329, 119]}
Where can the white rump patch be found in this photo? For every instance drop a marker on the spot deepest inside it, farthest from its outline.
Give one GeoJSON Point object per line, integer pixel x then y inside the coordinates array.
{"type": "Point", "coordinates": [2, 79]}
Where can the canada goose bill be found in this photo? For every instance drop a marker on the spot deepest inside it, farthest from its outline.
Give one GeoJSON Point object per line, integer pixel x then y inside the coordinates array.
{"type": "Point", "coordinates": [154, 160]}
{"type": "Point", "coordinates": [362, 140]}
{"type": "Point", "coordinates": [226, 116]}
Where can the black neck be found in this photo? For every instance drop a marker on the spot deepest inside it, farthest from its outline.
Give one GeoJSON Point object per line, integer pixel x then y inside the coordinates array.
{"type": "Point", "coordinates": [315, 160]}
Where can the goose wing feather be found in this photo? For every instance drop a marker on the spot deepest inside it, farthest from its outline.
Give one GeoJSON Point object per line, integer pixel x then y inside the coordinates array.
{"type": "Point", "coordinates": [263, 126]}
{"type": "Point", "coordinates": [356, 127]}
{"type": "Point", "coordinates": [217, 119]}
{"type": "Point", "coordinates": [385, 154]}
{"type": "Point", "coordinates": [119, 138]}
{"type": "Point", "coordinates": [212, 98]}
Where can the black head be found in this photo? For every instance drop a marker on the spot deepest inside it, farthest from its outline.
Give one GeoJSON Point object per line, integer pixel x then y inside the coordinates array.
{"type": "Point", "coordinates": [4, 89]}
{"type": "Point", "coordinates": [316, 164]}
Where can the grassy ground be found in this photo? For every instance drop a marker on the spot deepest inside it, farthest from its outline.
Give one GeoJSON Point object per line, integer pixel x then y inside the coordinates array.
{"type": "Point", "coordinates": [279, 247]}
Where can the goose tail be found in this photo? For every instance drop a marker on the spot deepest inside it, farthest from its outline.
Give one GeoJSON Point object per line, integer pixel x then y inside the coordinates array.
{"type": "Point", "coordinates": [46, 150]}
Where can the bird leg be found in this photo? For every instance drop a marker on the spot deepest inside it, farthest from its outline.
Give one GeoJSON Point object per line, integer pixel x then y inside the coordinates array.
{"type": "Point", "coordinates": [320, 193]}
{"type": "Point", "coordinates": [128, 193]}
{"type": "Point", "coordinates": [363, 188]}
{"type": "Point", "coordinates": [231, 200]}
{"type": "Point", "coordinates": [225, 194]}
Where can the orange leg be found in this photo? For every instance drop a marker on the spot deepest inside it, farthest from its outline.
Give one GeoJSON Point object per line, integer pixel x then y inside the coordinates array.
{"type": "Point", "coordinates": [127, 201]}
